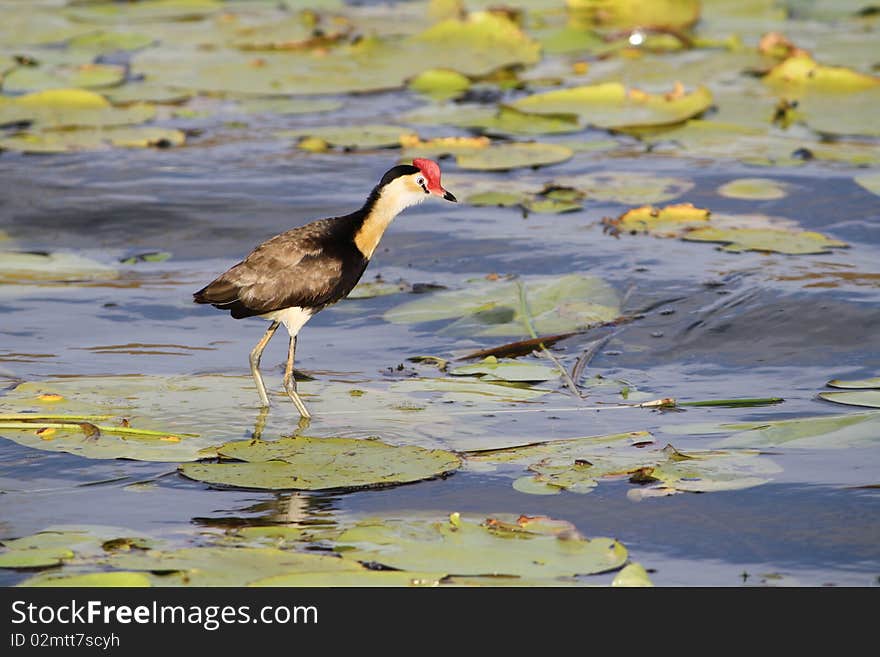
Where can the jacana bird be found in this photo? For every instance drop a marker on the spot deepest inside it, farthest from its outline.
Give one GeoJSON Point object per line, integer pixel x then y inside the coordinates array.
{"type": "Point", "coordinates": [292, 276]}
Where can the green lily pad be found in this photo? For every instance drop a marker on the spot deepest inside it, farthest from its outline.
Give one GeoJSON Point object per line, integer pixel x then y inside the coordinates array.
{"type": "Point", "coordinates": [503, 157]}
{"type": "Point", "coordinates": [491, 368]}
{"type": "Point", "coordinates": [362, 577]}
{"type": "Point", "coordinates": [287, 106]}
{"type": "Point", "coordinates": [632, 575]}
{"type": "Point", "coordinates": [627, 187]}
{"type": "Point", "coordinates": [873, 382]}
{"type": "Point", "coordinates": [823, 111]}
{"type": "Point", "coordinates": [870, 181]}
{"type": "Point", "coordinates": [870, 398]}
{"type": "Point", "coordinates": [34, 557]}
{"type": "Point", "coordinates": [84, 76]}
{"type": "Point", "coordinates": [58, 108]}
{"type": "Point", "coordinates": [768, 240]}
{"type": "Point", "coordinates": [820, 432]}
{"type": "Point", "coordinates": [758, 189]}
{"type": "Point", "coordinates": [669, 221]}
{"type": "Point", "coordinates": [469, 390]}
{"type": "Point", "coordinates": [440, 84]}
{"type": "Point", "coordinates": [146, 11]}
{"type": "Point", "coordinates": [354, 137]}
{"type": "Point", "coordinates": [100, 580]}
{"type": "Point", "coordinates": [634, 13]}
{"type": "Point", "coordinates": [92, 139]}
{"type": "Point", "coordinates": [23, 267]}
{"type": "Point", "coordinates": [224, 566]}
{"type": "Point", "coordinates": [569, 449]}
{"type": "Point", "coordinates": [800, 73]}
{"type": "Point", "coordinates": [610, 105]}
{"type": "Point", "coordinates": [503, 120]}
{"type": "Point", "coordinates": [304, 463]}
{"type": "Point", "coordinates": [498, 199]}
{"type": "Point", "coordinates": [551, 206]}
{"type": "Point", "coordinates": [104, 41]}
{"type": "Point", "coordinates": [494, 308]}
{"type": "Point", "coordinates": [468, 547]}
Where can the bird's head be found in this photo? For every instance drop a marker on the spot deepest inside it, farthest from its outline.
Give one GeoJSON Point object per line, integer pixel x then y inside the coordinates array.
{"type": "Point", "coordinates": [410, 184]}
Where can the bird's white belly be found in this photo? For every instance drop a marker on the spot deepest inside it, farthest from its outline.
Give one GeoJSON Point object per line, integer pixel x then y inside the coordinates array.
{"type": "Point", "coordinates": [292, 318]}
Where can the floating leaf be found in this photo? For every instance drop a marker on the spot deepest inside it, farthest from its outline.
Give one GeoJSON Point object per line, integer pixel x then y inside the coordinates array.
{"type": "Point", "coordinates": [632, 575]}
{"type": "Point", "coordinates": [491, 368]}
{"type": "Point", "coordinates": [611, 105]}
{"type": "Point", "coordinates": [819, 432]}
{"type": "Point", "coordinates": [499, 199]}
{"type": "Point", "coordinates": [503, 120]}
{"type": "Point", "coordinates": [34, 557]}
{"type": "Point", "coordinates": [146, 11]}
{"type": "Point", "coordinates": [767, 240]}
{"type": "Point", "coordinates": [304, 463]}
{"type": "Point", "coordinates": [70, 108]}
{"type": "Point", "coordinates": [870, 398]}
{"type": "Point", "coordinates": [503, 157]}
{"type": "Point", "coordinates": [440, 84]}
{"type": "Point", "coordinates": [551, 206]}
{"type": "Point", "coordinates": [758, 189]}
{"type": "Point", "coordinates": [669, 221]}
{"type": "Point", "coordinates": [225, 566]}
{"type": "Point", "coordinates": [23, 267]}
{"type": "Point", "coordinates": [801, 72]}
{"type": "Point", "coordinates": [494, 308]}
{"type": "Point", "coordinates": [628, 187]}
{"type": "Point", "coordinates": [871, 182]}
{"type": "Point", "coordinates": [472, 548]}
{"type": "Point", "coordinates": [565, 449]}
{"type": "Point", "coordinates": [102, 580]}
{"type": "Point", "coordinates": [109, 42]}
{"type": "Point", "coordinates": [873, 382]}
{"type": "Point", "coordinates": [362, 577]}
{"type": "Point", "coordinates": [84, 76]}
{"type": "Point", "coordinates": [354, 137]}
{"type": "Point", "coordinates": [88, 139]}
{"type": "Point", "coordinates": [286, 105]}
{"type": "Point", "coordinates": [634, 13]}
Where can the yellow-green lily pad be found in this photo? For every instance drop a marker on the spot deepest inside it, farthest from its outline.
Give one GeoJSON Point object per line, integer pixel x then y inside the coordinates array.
{"type": "Point", "coordinates": [495, 308]}
{"type": "Point", "coordinates": [737, 240]}
{"type": "Point", "coordinates": [67, 108]}
{"type": "Point", "coordinates": [632, 575]}
{"type": "Point", "coordinates": [23, 268]}
{"type": "Point", "coordinates": [304, 463]}
{"type": "Point", "coordinates": [362, 577]}
{"type": "Point", "coordinates": [610, 105]}
{"type": "Point", "coordinates": [623, 14]}
{"type": "Point", "coordinates": [870, 398]}
{"type": "Point", "coordinates": [104, 41]}
{"type": "Point", "coordinates": [354, 137]}
{"type": "Point", "coordinates": [503, 157]}
{"type": "Point", "coordinates": [116, 578]}
{"type": "Point", "coordinates": [92, 139]}
{"type": "Point", "coordinates": [498, 199]}
{"type": "Point", "coordinates": [801, 73]}
{"type": "Point", "coordinates": [757, 189]}
{"type": "Point", "coordinates": [873, 382]}
{"type": "Point", "coordinates": [627, 187]}
{"type": "Point", "coordinates": [84, 76]}
{"type": "Point", "coordinates": [490, 368]}
{"type": "Point", "coordinates": [668, 221]}
{"type": "Point", "coordinates": [440, 84]}
{"type": "Point", "coordinates": [468, 547]}
{"type": "Point", "coordinates": [34, 557]}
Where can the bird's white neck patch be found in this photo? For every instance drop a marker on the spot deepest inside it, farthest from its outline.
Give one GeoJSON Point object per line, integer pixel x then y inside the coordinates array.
{"type": "Point", "coordinates": [396, 197]}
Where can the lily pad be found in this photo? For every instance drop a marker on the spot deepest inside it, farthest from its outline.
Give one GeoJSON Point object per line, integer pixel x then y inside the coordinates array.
{"type": "Point", "coordinates": [800, 73]}
{"type": "Point", "coordinates": [823, 111]}
{"type": "Point", "coordinates": [440, 84]}
{"type": "Point", "coordinates": [767, 240]}
{"type": "Point", "coordinates": [24, 267]}
{"type": "Point", "coordinates": [34, 557]}
{"type": "Point", "coordinates": [873, 382]}
{"type": "Point", "coordinates": [501, 120]}
{"type": "Point", "coordinates": [468, 547]}
{"type": "Point", "coordinates": [354, 137]}
{"type": "Point", "coordinates": [286, 106]}
{"type": "Point", "coordinates": [101, 580]}
{"type": "Point", "coordinates": [58, 108]}
{"type": "Point", "coordinates": [491, 368]}
{"type": "Point", "coordinates": [870, 181]}
{"type": "Point", "coordinates": [224, 566]}
{"type": "Point", "coordinates": [84, 76]}
{"type": "Point", "coordinates": [92, 139]}
{"type": "Point", "coordinates": [870, 398]}
{"type": "Point", "coordinates": [610, 105]}
{"type": "Point", "coordinates": [104, 41]}
{"type": "Point", "coordinates": [818, 432]}
{"type": "Point", "coordinates": [669, 221]}
{"type": "Point", "coordinates": [623, 14]}
{"type": "Point", "coordinates": [495, 308]}
{"type": "Point", "coordinates": [362, 577]}
{"type": "Point", "coordinates": [632, 575]}
{"type": "Point", "coordinates": [498, 199]}
{"type": "Point", "coordinates": [758, 189]}
{"type": "Point", "coordinates": [503, 157]}
{"type": "Point", "coordinates": [304, 463]}
{"type": "Point", "coordinates": [627, 187]}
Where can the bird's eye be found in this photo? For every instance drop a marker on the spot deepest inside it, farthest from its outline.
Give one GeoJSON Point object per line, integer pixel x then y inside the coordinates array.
{"type": "Point", "coordinates": [421, 182]}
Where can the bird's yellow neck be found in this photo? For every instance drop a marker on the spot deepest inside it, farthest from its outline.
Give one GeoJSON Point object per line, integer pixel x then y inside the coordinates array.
{"type": "Point", "coordinates": [390, 201]}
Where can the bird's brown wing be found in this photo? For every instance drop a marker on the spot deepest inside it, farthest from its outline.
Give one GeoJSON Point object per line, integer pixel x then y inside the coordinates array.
{"type": "Point", "coordinates": [300, 267]}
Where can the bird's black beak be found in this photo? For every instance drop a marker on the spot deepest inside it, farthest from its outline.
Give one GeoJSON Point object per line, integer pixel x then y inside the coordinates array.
{"type": "Point", "coordinates": [448, 196]}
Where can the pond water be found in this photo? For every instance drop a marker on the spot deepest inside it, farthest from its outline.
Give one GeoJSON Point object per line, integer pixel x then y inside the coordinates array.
{"type": "Point", "coordinates": [713, 324]}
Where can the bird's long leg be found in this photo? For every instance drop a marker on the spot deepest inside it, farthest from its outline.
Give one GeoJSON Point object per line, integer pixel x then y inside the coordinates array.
{"type": "Point", "coordinates": [290, 380]}
{"type": "Point", "coordinates": [255, 362]}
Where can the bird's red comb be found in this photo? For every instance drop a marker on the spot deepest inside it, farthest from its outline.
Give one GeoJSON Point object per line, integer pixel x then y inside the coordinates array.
{"type": "Point", "coordinates": [431, 170]}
